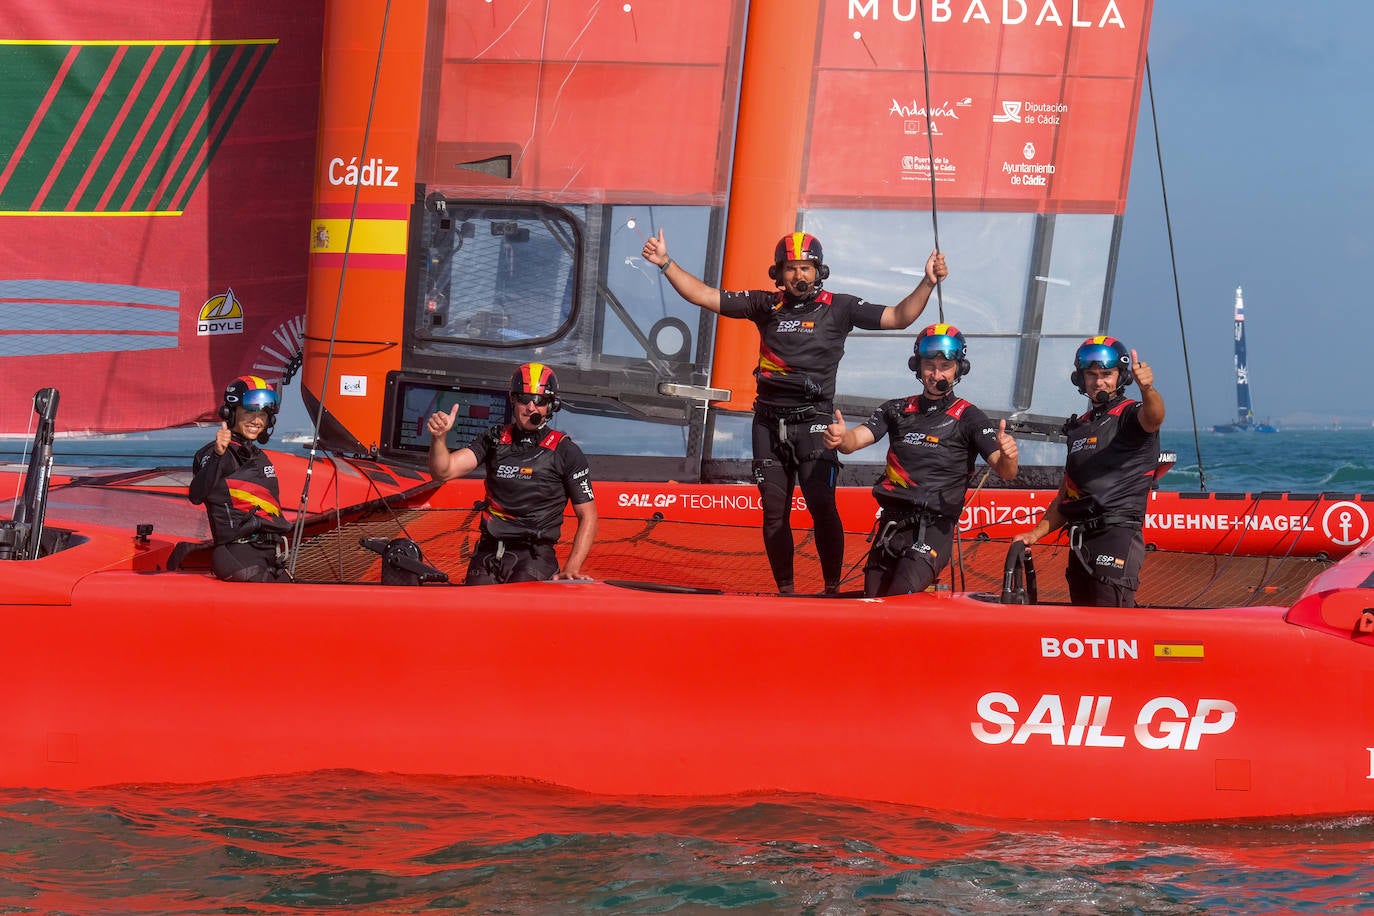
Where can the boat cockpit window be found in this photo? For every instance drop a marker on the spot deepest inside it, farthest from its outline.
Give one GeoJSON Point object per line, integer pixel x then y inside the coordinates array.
{"type": "Point", "coordinates": [503, 276]}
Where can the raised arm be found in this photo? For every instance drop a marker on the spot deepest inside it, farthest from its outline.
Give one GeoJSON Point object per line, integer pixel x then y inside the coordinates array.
{"type": "Point", "coordinates": [445, 464]}
{"type": "Point", "coordinates": [1006, 460]}
{"type": "Point", "coordinates": [838, 436]}
{"type": "Point", "coordinates": [1151, 414]}
{"type": "Point", "coordinates": [688, 286]}
{"type": "Point", "coordinates": [904, 313]}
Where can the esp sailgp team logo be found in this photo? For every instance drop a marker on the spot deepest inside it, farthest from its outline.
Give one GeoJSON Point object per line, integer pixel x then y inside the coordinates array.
{"type": "Point", "coordinates": [222, 314]}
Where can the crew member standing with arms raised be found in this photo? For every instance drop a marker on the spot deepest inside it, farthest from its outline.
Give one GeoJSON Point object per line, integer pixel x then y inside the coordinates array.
{"type": "Point", "coordinates": [802, 331]}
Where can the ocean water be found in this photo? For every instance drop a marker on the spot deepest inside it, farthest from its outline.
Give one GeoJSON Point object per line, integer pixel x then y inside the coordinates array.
{"type": "Point", "coordinates": [1294, 460]}
{"type": "Point", "coordinates": [344, 841]}
{"type": "Point", "coordinates": [1297, 460]}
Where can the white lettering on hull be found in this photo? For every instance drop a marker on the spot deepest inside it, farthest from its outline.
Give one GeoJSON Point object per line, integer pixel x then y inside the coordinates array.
{"type": "Point", "coordinates": [1163, 723]}
{"type": "Point", "coordinates": [1088, 647]}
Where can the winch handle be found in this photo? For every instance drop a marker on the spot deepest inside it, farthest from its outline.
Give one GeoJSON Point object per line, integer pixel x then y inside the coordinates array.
{"type": "Point", "coordinates": [1018, 576]}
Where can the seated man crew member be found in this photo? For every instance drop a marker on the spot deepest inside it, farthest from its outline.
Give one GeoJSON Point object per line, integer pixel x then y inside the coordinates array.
{"type": "Point", "coordinates": [1110, 468]}
{"type": "Point", "coordinates": [935, 437]}
{"type": "Point", "coordinates": [532, 472]}
{"type": "Point", "coordinates": [237, 483]}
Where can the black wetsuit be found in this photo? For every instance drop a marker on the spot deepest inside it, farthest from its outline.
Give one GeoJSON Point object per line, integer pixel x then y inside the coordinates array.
{"type": "Point", "coordinates": [242, 501]}
{"type": "Point", "coordinates": [800, 346]}
{"type": "Point", "coordinates": [531, 477]}
{"type": "Point", "coordinates": [1108, 475]}
{"type": "Point", "coordinates": [921, 492]}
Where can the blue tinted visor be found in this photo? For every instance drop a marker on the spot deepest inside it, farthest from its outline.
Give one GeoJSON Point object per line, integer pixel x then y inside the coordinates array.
{"type": "Point", "coordinates": [260, 399]}
{"type": "Point", "coordinates": [939, 346]}
{"type": "Point", "coordinates": [1097, 356]}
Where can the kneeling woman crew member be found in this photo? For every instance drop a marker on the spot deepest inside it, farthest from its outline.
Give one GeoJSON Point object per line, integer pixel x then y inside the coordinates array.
{"type": "Point", "coordinates": [237, 483]}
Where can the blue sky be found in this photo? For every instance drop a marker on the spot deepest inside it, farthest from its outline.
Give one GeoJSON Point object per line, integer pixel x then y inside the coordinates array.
{"type": "Point", "coordinates": [1264, 112]}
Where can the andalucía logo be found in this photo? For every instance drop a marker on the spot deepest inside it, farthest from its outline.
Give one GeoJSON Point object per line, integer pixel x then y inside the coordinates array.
{"type": "Point", "coordinates": [222, 314]}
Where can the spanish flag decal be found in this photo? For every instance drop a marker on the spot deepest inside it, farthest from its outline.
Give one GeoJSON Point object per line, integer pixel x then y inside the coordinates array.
{"type": "Point", "coordinates": [1179, 651]}
{"type": "Point", "coordinates": [770, 362]}
{"type": "Point", "coordinates": [247, 497]}
{"type": "Point", "coordinates": [896, 475]}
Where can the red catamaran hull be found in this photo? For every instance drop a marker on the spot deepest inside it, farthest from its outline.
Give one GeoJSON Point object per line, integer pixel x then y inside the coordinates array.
{"type": "Point", "coordinates": [122, 672]}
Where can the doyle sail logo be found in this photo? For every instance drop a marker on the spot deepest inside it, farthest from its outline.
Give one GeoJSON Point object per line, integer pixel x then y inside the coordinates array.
{"type": "Point", "coordinates": [222, 314]}
{"type": "Point", "coordinates": [122, 128]}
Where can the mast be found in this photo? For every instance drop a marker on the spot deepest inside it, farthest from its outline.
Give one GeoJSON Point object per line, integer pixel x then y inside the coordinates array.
{"type": "Point", "coordinates": [1244, 414]}
{"type": "Point", "coordinates": [768, 168]}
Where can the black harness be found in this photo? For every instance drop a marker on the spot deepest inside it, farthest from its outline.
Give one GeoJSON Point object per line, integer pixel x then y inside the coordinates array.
{"type": "Point", "coordinates": [778, 419]}
{"type": "Point", "coordinates": [1092, 525]}
{"type": "Point", "coordinates": [886, 532]}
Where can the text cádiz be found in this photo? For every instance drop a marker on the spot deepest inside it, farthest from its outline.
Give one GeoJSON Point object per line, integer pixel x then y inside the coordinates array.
{"type": "Point", "coordinates": [1163, 723]}
{"type": "Point", "coordinates": [1083, 14]}
{"type": "Point", "coordinates": [374, 173]}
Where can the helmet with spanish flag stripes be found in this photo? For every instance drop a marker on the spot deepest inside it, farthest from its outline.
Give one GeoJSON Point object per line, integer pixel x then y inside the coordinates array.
{"type": "Point", "coordinates": [799, 246]}
{"type": "Point", "coordinates": [535, 383]}
{"type": "Point", "coordinates": [940, 341]}
{"type": "Point", "coordinates": [250, 392]}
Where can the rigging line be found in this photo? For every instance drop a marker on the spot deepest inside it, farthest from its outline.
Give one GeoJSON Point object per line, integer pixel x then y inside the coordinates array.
{"type": "Point", "coordinates": [1293, 545]}
{"type": "Point", "coordinates": [958, 536]}
{"type": "Point", "coordinates": [338, 308]}
{"type": "Point", "coordinates": [930, 152]}
{"type": "Point", "coordinates": [1229, 558]}
{"type": "Point", "coordinates": [24, 461]}
{"type": "Point", "coordinates": [1173, 266]}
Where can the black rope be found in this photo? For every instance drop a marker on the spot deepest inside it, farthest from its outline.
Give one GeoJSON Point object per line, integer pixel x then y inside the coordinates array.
{"type": "Point", "coordinates": [930, 151]}
{"type": "Point", "coordinates": [1173, 265]}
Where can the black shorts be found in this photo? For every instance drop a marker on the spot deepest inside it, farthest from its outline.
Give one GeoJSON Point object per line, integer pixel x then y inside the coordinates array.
{"type": "Point", "coordinates": [258, 561]}
{"type": "Point", "coordinates": [904, 562]}
{"type": "Point", "coordinates": [1104, 570]}
{"type": "Point", "coordinates": [523, 561]}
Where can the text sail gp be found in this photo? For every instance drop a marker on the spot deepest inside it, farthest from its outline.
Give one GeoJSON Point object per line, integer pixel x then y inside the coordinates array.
{"type": "Point", "coordinates": [1162, 723]}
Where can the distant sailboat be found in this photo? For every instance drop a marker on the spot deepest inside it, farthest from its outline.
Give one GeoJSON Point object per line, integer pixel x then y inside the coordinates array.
{"type": "Point", "coordinates": [1245, 417]}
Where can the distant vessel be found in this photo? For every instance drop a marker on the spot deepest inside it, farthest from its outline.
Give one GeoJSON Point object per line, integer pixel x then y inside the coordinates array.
{"type": "Point", "coordinates": [1245, 417]}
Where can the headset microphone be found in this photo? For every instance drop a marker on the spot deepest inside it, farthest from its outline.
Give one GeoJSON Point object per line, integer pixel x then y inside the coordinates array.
{"type": "Point", "coordinates": [1102, 397]}
{"type": "Point", "coordinates": [941, 385]}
